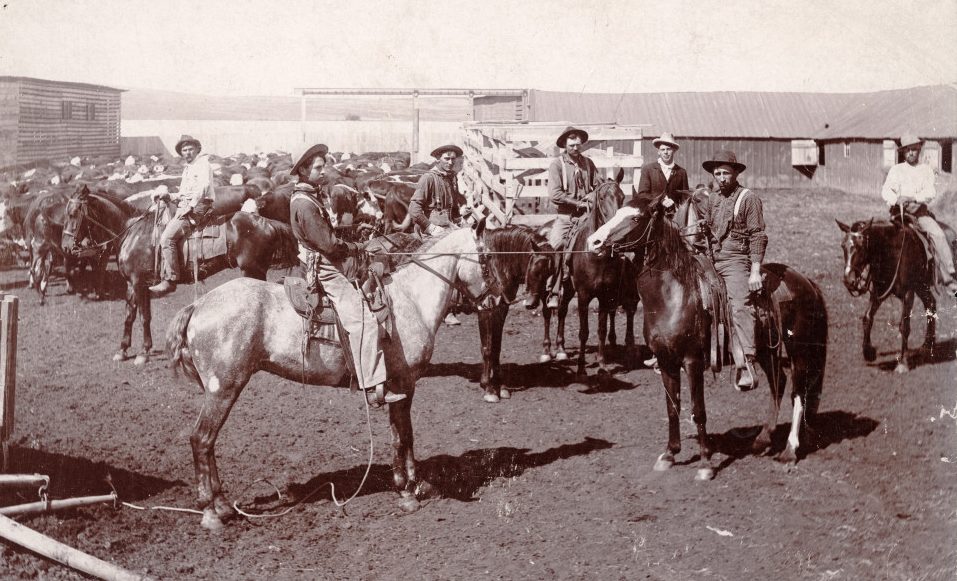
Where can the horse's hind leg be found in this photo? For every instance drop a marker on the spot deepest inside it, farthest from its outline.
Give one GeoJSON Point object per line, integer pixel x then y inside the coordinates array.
{"type": "Point", "coordinates": [146, 316]}
{"type": "Point", "coordinates": [906, 307]}
{"type": "Point", "coordinates": [583, 331]}
{"type": "Point", "coordinates": [930, 311]}
{"type": "Point", "coordinates": [219, 400]}
{"type": "Point", "coordinates": [410, 487]}
{"type": "Point", "coordinates": [777, 382]}
{"type": "Point", "coordinates": [127, 340]}
{"type": "Point", "coordinates": [671, 379]}
{"type": "Point", "coordinates": [546, 355]}
{"type": "Point", "coordinates": [870, 354]}
{"type": "Point", "coordinates": [694, 368]}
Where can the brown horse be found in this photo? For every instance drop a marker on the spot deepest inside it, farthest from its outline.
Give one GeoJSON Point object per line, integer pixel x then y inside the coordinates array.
{"type": "Point", "coordinates": [608, 278]}
{"type": "Point", "coordinates": [883, 259]}
{"type": "Point", "coordinates": [266, 334]}
{"type": "Point", "coordinates": [677, 324]}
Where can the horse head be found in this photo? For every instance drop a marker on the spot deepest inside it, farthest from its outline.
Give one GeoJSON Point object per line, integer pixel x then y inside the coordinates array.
{"type": "Point", "coordinates": [857, 261]}
{"type": "Point", "coordinates": [628, 228]}
{"type": "Point", "coordinates": [541, 266]}
{"type": "Point", "coordinates": [75, 219]}
{"type": "Point", "coordinates": [608, 198]}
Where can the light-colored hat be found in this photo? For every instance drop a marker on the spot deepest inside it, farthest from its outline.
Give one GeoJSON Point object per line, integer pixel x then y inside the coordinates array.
{"type": "Point", "coordinates": [909, 140]}
{"type": "Point", "coordinates": [667, 139]}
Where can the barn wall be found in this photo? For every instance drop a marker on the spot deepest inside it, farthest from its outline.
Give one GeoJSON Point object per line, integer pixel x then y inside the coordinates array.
{"type": "Point", "coordinates": [44, 133]}
{"type": "Point", "coordinates": [9, 114]}
{"type": "Point", "coordinates": [498, 109]}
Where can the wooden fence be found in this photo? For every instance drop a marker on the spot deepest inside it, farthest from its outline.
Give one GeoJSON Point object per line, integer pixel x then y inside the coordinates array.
{"type": "Point", "coordinates": [505, 167]}
{"type": "Point", "coordinates": [8, 370]}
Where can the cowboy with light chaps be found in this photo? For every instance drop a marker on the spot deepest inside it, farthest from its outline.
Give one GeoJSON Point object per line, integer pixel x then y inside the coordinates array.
{"type": "Point", "coordinates": [193, 201]}
{"type": "Point", "coordinates": [739, 241]}
{"type": "Point", "coordinates": [333, 262]}
{"type": "Point", "coordinates": [571, 178]}
{"type": "Point", "coordinates": [908, 188]}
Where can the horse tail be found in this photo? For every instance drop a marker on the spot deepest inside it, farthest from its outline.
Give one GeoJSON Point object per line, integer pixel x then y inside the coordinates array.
{"type": "Point", "coordinates": [179, 355]}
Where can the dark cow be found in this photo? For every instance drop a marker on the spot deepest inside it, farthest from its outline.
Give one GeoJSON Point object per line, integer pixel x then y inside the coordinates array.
{"type": "Point", "coordinates": [394, 200]}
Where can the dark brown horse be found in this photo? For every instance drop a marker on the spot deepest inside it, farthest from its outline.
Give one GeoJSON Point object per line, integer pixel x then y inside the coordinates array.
{"type": "Point", "coordinates": [885, 259]}
{"type": "Point", "coordinates": [255, 244]}
{"type": "Point", "coordinates": [608, 278]}
{"type": "Point", "coordinates": [43, 227]}
{"type": "Point", "coordinates": [677, 328]}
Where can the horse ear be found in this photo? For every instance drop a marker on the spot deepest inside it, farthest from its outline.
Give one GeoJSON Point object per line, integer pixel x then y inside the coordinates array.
{"type": "Point", "coordinates": [480, 225]}
{"type": "Point", "coordinates": [83, 192]}
{"type": "Point", "coordinates": [844, 227]}
{"type": "Point", "coordinates": [620, 176]}
{"type": "Point", "coordinates": [870, 223]}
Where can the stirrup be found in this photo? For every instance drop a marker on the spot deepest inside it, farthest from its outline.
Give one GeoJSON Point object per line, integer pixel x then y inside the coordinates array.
{"type": "Point", "coordinates": [378, 397]}
{"type": "Point", "coordinates": [741, 385]}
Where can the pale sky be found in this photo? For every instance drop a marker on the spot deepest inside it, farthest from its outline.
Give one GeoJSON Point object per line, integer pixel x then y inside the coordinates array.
{"type": "Point", "coordinates": [255, 48]}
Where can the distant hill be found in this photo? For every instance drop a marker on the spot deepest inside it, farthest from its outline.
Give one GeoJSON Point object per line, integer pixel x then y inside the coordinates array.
{"type": "Point", "coordinates": [142, 104]}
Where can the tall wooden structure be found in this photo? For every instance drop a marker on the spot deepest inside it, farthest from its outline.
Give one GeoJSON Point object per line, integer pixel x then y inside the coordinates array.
{"type": "Point", "coordinates": [43, 120]}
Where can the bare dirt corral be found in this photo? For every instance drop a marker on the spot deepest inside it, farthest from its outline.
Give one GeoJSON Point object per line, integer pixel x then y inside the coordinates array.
{"type": "Point", "coordinates": [555, 483]}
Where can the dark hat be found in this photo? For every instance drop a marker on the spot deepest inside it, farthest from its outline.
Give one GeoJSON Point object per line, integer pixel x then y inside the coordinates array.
{"type": "Point", "coordinates": [569, 131]}
{"type": "Point", "coordinates": [187, 139]}
{"type": "Point", "coordinates": [317, 150]}
{"type": "Point", "coordinates": [438, 151]}
{"type": "Point", "coordinates": [723, 158]}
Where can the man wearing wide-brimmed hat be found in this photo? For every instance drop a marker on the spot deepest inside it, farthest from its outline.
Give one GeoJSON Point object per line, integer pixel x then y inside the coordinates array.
{"type": "Point", "coordinates": [193, 200]}
{"type": "Point", "coordinates": [333, 261]}
{"type": "Point", "coordinates": [908, 188]}
{"type": "Point", "coordinates": [739, 241]}
{"type": "Point", "coordinates": [571, 178]}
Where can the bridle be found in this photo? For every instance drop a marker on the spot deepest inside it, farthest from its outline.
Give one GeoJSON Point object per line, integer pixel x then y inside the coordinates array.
{"type": "Point", "coordinates": [864, 280]}
{"type": "Point", "coordinates": [87, 221]}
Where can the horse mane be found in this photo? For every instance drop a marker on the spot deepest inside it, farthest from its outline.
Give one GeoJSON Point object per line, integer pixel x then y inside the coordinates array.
{"type": "Point", "coordinates": [667, 250]}
{"type": "Point", "coordinates": [522, 240]}
{"type": "Point", "coordinates": [115, 204]}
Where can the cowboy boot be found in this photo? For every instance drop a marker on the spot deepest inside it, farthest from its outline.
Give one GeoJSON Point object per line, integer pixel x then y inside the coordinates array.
{"type": "Point", "coordinates": [163, 288]}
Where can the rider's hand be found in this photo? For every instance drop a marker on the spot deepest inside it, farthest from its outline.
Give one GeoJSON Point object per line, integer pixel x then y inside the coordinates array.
{"type": "Point", "coordinates": [434, 230]}
{"type": "Point", "coordinates": [754, 279]}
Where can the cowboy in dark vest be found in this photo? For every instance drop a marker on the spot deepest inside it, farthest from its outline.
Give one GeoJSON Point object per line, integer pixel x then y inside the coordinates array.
{"type": "Point", "coordinates": [334, 261]}
{"type": "Point", "coordinates": [193, 201]}
{"type": "Point", "coordinates": [571, 178]}
{"type": "Point", "coordinates": [739, 241]}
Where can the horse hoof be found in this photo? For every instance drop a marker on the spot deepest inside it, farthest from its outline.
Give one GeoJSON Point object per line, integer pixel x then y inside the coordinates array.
{"type": "Point", "coordinates": [664, 462]}
{"type": "Point", "coordinates": [423, 489]}
{"type": "Point", "coordinates": [704, 474]}
{"type": "Point", "coordinates": [211, 521]}
{"type": "Point", "coordinates": [870, 354]}
{"type": "Point", "coordinates": [544, 358]}
{"type": "Point", "coordinates": [561, 356]}
{"type": "Point", "coordinates": [788, 456]}
{"type": "Point", "coordinates": [490, 398]}
{"type": "Point", "coordinates": [141, 359]}
{"type": "Point", "coordinates": [409, 503]}
{"type": "Point", "coordinates": [121, 356]}
{"type": "Point", "coordinates": [504, 393]}
{"type": "Point", "coordinates": [901, 368]}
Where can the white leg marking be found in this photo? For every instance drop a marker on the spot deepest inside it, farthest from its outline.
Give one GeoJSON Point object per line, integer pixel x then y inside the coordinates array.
{"type": "Point", "coordinates": [797, 418]}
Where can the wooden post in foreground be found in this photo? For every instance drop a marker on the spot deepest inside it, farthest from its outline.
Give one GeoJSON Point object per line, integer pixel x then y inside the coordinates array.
{"type": "Point", "coordinates": [8, 371]}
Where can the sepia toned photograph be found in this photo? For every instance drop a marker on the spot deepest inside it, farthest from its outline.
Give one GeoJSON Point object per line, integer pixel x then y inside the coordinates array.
{"type": "Point", "coordinates": [498, 290]}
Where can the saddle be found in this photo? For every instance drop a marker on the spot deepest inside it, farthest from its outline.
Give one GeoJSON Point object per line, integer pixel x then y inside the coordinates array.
{"type": "Point", "coordinates": [206, 242]}
{"type": "Point", "coordinates": [910, 222]}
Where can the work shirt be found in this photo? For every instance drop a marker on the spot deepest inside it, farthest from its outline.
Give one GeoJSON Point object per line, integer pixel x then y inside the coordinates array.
{"type": "Point", "coordinates": [313, 228]}
{"type": "Point", "coordinates": [906, 180]}
{"type": "Point", "coordinates": [570, 181]}
{"type": "Point", "coordinates": [196, 187]}
{"type": "Point", "coordinates": [436, 191]}
{"type": "Point", "coordinates": [747, 228]}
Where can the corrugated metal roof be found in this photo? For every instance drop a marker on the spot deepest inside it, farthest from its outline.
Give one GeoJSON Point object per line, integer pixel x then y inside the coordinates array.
{"type": "Point", "coordinates": [758, 114]}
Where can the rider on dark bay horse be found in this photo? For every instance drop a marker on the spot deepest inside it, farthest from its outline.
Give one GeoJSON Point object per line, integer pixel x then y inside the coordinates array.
{"type": "Point", "coordinates": [571, 178]}
{"type": "Point", "coordinates": [736, 230]}
{"type": "Point", "coordinates": [194, 200]}
{"type": "Point", "coordinates": [908, 188]}
{"type": "Point", "coordinates": [332, 262]}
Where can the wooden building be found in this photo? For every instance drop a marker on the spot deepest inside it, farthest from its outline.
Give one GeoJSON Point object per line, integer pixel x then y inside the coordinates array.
{"type": "Point", "coordinates": [844, 141]}
{"type": "Point", "coordinates": [44, 120]}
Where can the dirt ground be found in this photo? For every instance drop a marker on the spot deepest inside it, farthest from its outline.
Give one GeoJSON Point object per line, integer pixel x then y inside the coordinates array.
{"type": "Point", "coordinates": [556, 483]}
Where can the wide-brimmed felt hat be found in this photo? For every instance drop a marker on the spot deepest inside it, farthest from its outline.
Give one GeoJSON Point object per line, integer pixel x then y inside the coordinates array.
{"type": "Point", "coordinates": [569, 131]}
{"type": "Point", "coordinates": [724, 157]}
{"type": "Point", "coordinates": [910, 140]}
{"type": "Point", "coordinates": [667, 139]}
{"type": "Point", "coordinates": [317, 150]}
{"type": "Point", "coordinates": [187, 139]}
{"type": "Point", "coordinates": [438, 151]}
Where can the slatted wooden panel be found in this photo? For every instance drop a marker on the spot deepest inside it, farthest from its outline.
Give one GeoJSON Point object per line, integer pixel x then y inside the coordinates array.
{"type": "Point", "coordinates": [9, 114]}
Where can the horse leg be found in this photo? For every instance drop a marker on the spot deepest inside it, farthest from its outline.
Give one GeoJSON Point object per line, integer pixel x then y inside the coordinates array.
{"type": "Point", "coordinates": [500, 313]}
{"type": "Point", "coordinates": [801, 390]}
{"type": "Point", "coordinates": [546, 355]}
{"type": "Point", "coordinates": [131, 306]}
{"type": "Point", "coordinates": [146, 316]}
{"type": "Point", "coordinates": [907, 305]}
{"type": "Point", "coordinates": [491, 323]}
{"type": "Point", "coordinates": [629, 337]}
{"type": "Point", "coordinates": [403, 459]}
{"type": "Point", "coordinates": [930, 311]}
{"type": "Point", "coordinates": [560, 354]}
{"type": "Point", "coordinates": [219, 400]}
{"type": "Point", "coordinates": [612, 334]}
{"type": "Point", "coordinates": [671, 379]}
{"type": "Point", "coordinates": [870, 354]}
{"type": "Point", "coordinates": [694, 368]}
{"type": "Point", "coordinates": [583, 330]}
{"type": "Point", "coordinates": [777, 381]}
{"type": "Point", "coordinates": [604, 315]}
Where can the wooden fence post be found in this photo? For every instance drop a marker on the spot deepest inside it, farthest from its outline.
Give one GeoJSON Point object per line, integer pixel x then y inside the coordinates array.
{"type": "Point", "coordinates": [8, 370]}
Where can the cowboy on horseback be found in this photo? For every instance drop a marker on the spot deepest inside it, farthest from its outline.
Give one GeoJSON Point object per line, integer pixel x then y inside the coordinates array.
{"type": "Point", "coordinates": [908, 188]}
{"type": "Point", "coordinates": [193, 201]}
{"type": "Point", "coordinates": [571, 178]}
{"type": "Point", "coordinates": [333, 261]}
{"type": "Point", "coordinates": [736, 225]}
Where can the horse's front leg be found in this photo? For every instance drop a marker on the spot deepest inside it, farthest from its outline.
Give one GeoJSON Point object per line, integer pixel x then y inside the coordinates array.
{"type": "Point", "coordinates": [566, 299]}
{"type": "Point", "coordinates": [491, 324]}
{"type": "Point", "coordinates": [403, 459]}
{"type": "Point", "coordinates": [583, 331]}
{"type": "Point", "coordinates": [907, 305]}
{"type": "Point", "coordinates": [629, 336]}
{"type": "Point", "coordinates": [605, 315]}
{"type": "Point", "coordinates": [671, 379]}
{"type": "Point", "coordinates": [546, 355]}
{"type": "Point", "coordinates": [216, 406]}
{"type": "Point", "coordinates": [694, 368]}
{"type": "Point", "coordinates": [870, 354]}
{"type": "Point", "coordinates": [146, 316]}
{"type": "Point", "coordinates": [127, 340]}
{"type": "Point", "coordinates": [612, 334]}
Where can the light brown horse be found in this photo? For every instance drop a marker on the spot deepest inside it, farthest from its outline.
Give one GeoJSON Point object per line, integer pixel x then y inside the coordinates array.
{"type": "Point", "coordinates": [246, 326]}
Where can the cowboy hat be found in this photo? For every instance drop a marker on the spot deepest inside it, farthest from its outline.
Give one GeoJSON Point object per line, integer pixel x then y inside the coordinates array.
{"type": "Point", "coordinates": [187, 139]}
{"type": "Point", "coordinates": [667, 139]}
{"type": "Point", "coordinates": [438, 151]}
{"type": "Point", "coordinates": [910, 140]}
{"type": "Point", "coordinates": [724, 157]}
{"type": "Point", "coordinates": [569, 131]}
{"type": "Point", "coordinates": [317, 150]}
